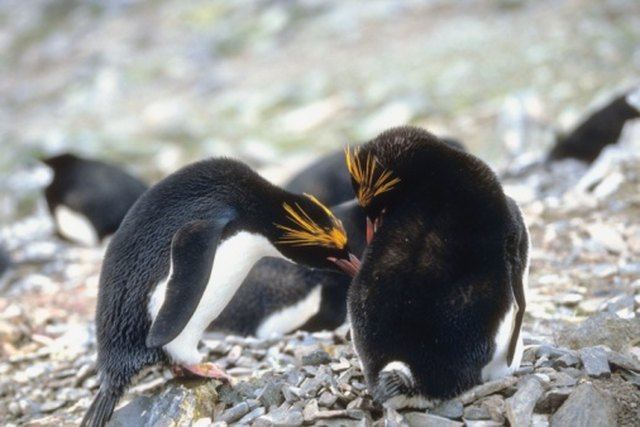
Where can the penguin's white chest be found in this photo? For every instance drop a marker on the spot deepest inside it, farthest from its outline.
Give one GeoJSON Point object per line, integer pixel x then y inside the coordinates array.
{"type": "Point", "coordinates": [75, 226]}
{"type": "Point", "coordinates": [232, 262]}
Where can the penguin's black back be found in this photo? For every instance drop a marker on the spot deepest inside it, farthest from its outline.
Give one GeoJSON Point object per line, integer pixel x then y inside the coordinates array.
{"type": "Point", "coordinates": [435, 270]}
{"type": "Point", "coordinates": [102, 192]}
{"type": "Point", "coordinates": [599, 129]}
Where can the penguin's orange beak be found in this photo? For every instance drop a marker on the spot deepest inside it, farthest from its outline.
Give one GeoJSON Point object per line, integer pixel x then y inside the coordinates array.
{"type": "Point", "coordinates": [350, 266]}
{"type": "Point", "coordinates": [373, 226]}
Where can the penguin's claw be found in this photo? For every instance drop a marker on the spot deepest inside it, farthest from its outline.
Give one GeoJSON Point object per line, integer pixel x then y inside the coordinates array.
{"type": "Point", "coordinates": [204, 370]}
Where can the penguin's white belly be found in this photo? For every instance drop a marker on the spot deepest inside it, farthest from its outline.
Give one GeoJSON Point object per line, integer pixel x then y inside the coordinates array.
{"type": "Point", "coordinates": [75, 226]}
{"type": "Point", "coordinates": [292, 317]}
{"type": "Point", "coordinates": [498, 367]}
{"type": "Point", "coordinates": [233, 260]}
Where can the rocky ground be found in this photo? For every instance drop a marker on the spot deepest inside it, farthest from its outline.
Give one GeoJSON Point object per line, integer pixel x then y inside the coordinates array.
{"type": "Point", "coordinates": [102, 79]}
{"type": "Point", "coordinates": [582, 332]}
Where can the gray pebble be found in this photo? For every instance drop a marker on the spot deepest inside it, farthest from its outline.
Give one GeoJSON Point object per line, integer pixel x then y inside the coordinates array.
{"type": "Point", "coordinates": [595, 362]}
{"type": "Point", "coordinates": [316, 357]}
{"type": "Point", "coordinates": [452, 409]}
{"type": "Point", "coordinates": [520, 406]}
{"type": "Point", "coordinates": [424, 419]}
{"type": "Point", "coordinates": [251, 416]}
{"type": "Point", "coordinates": [327, 399]}
{"type": "Point", "coordinates": [234, 413]}
{"type": "Point", "coordinates": [586, 406]}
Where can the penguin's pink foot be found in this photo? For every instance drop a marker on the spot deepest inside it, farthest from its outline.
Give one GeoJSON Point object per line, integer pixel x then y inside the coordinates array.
{"type": "Point", "coordinates": [204, 370]}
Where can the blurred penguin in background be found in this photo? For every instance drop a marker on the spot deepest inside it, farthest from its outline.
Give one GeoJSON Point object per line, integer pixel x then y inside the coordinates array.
{"type": "Point", "coordinates": [601, 128]}
{"type": "Point", "coordinates": [88, 198]}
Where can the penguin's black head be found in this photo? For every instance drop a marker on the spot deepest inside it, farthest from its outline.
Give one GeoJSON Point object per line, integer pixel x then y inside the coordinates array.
{"type": "Point", "coordinates": [61, 161]}
{"type": "Point", "coordinates": [385, 168]}
{"type": "Point", "coordinates": [312, 235]}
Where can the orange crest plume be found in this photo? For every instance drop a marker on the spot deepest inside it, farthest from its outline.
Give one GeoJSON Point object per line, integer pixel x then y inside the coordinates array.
{"type": "Point", "coordinates": [308, 232]}
{"type": "Point", "coordinates": [369, 186]}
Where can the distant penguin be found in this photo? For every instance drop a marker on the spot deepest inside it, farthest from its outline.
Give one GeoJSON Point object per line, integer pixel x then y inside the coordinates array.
{"type": "Point", "coordinates": [179, 256]}
{"type": "Point", "coordinates": [599, 129]}
{"type": "Point", "coordinates": [328, 179]}
{"type": "Point", "coordinates": [5, 260]}
{"type": "Point", "coordinates": [438, 303]}
{"type": "Point", "coordinates": [278, 297]}
{"type": "Point", "coordinates": [88, 198]}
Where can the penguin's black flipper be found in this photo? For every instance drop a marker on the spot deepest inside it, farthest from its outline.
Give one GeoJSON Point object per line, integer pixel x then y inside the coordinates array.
{"type": "Point", "coordinates": [193, 249]}
{"type": "Point", "coordinates": [518, 250]}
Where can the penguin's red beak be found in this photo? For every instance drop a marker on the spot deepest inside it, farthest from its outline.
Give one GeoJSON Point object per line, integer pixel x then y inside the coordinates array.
{"type": "Point", "coordinates": [350, 266]}
{"type": "Point", "coordinates": [373, 226]}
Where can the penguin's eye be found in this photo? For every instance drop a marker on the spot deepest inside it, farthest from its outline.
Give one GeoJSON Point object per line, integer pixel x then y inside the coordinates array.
{"type": "Point", "coordinates": [371, 183]}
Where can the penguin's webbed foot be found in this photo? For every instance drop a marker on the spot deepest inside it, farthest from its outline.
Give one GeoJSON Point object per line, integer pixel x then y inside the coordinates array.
{"type": "Point", "coordinates": [203, 370]}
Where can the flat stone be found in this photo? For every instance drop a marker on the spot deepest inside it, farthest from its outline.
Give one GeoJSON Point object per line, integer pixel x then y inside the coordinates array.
{"type": "Point", "coordinates": [486, 389]}
{"type": "Point", "coordinates": [475, 412]}
{"type": "Point", "coordinates": [251, 416]}
{"type": "Point", "coordinates": [271, 394]}
{"type": "Point", "coordinates": [604, 329]}
{"type": "Point", "coordinates": [421, 419]}
{"type": "Point", "coordinates": [596, 362]}
{"type": "Point", "coordinates": [519, 407]}
{"type": "Point", "coordinates": [482, 423]}
{"type": "Point", "coordinates": [234, 413]}
{"type": "Point", "coordinates": [565, 361]}
{"type": "Point", "coordinates": [586, 406]}
{"type": "Point", "coordinates": [623, 361]}
{"type": "Point", "coordinates": [552, 400]}
{"type": "Point", "coordinates": [177, 403]}
{"type": "Point", "coordinates": [281, 418]}
{"type": "Point", "coordinates": [453, 409]}
{"type": "Point", "coordinates": [327, 399]}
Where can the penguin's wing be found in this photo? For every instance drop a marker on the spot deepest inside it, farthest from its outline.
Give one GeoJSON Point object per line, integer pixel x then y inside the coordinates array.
{"type": "Point", "coordinates": [519, 260]}
{"type": "Point", "coordinates": [193, 249]}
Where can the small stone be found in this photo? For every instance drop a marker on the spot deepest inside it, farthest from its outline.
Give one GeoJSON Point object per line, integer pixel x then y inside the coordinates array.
{"type": "Point", "coordinates": [565, 361]}
{"type": "Point", "coordinates": [540, 420]}
{"type": "Point", "coordinates": [52, 405]}
{"type": "Point", "coordinates": [452, 409]}
{"type": "Point", "coordinates": [596, 362]}
{"type": "Point", "coordinates": [563, 379]}
{"type": "Point", "coordinates": [316, 357]}
{"type": "Point", "coordinates": [251, 416]}
{"type": "Point", "coordinates": [234, 413]}
{"type": "Point", "coordinates": [623, 361]}
{"type": "Point", "coordinates": [486, 389]}
{"type": "Point", "coordinates": [552, 400]}
{"type": "Point", "coordinates": [327, 399]}
{"type": "Point", "coordinates": [586, 406]}
{"type": "Point", "coordinates": [311, 410]}
{"type": "Point", "coordinates": [424, 419]}
{"type": "Point", "coordinates": [282, 418]}
{"type": "Point", "coordinates": [519, 407]}
{"type": "Point", "coordinates": [342, 365]}
{"type": "Point", "coordinates": [475, 412]}
{"type": "Point", "coordinates": [271, 394]}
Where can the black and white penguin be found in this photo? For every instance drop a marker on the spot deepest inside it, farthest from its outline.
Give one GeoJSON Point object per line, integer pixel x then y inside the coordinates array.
{"type": "Point", "coordinates": [180, 254]}
{"type": "Point", "coordinates": [599, 129]}
{"type": "Point", "coordinates": [438, 303]}
{"type": "Point", "coordinates": [278, 297]}
{"type": "Point", "coordinates": [88, 198]}
{"type": "Point", "coordinates": [329, 180]}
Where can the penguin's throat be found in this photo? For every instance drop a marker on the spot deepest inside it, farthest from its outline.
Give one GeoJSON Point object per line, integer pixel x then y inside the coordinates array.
{"type": "Point", "coordinates": [234, 258]}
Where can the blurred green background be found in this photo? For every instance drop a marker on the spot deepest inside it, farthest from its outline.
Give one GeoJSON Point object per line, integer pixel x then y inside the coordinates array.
{"type": "Point", "coordinates": [156, 84]}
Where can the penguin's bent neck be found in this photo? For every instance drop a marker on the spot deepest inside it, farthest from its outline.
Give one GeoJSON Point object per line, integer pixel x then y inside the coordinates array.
{"type": "Point", "coordinates": [235, 256]}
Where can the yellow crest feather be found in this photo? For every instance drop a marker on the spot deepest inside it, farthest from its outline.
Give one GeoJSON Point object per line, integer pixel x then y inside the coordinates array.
{"type": "Point", "coordinates": [369, 186]}
{"type": "Point", "coordinates": [309, 233]}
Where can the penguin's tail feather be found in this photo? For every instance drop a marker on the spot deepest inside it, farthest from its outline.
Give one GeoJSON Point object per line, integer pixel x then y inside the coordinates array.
{"type": "Point", "coordinates": [394, 380]}
{"type": "Point", "coordinates": [102, 408]}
